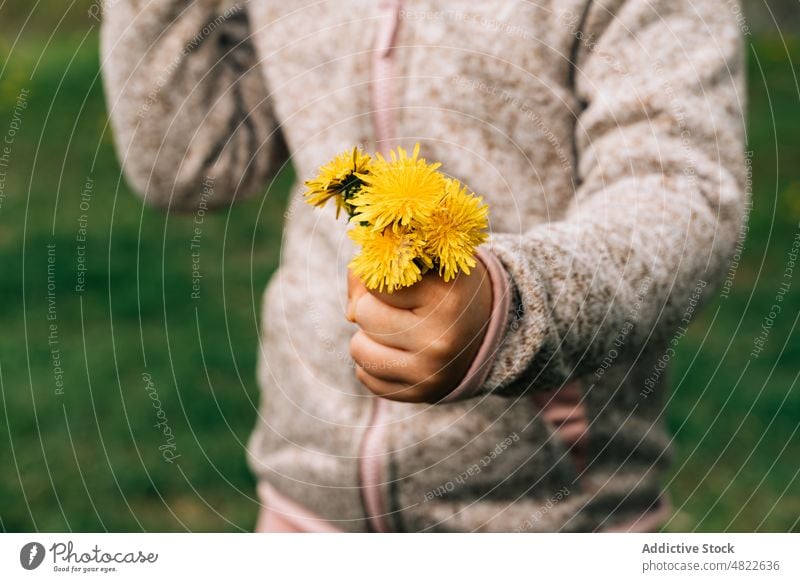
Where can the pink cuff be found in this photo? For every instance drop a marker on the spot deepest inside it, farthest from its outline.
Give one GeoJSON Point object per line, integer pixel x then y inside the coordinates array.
{"type": "Point", "coordinates": [482, 364]}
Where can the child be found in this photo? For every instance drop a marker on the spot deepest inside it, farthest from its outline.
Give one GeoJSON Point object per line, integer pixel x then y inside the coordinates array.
{"type": "Point", "coordinates": [607, 139]}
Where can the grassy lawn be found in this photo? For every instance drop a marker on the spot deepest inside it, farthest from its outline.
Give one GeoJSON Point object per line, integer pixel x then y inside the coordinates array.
{"type": "Point", "coordinates": [80, 368]}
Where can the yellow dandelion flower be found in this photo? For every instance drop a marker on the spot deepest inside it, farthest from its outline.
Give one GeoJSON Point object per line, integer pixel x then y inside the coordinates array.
{"type": "Point", "coordinates": [398, 192]}
{"type": "Point", "coordinates": [389, 259]}
{"type": "Point", "coordinates": [457, 226]}
{"type": "Point", "coordinates": [339, 179]}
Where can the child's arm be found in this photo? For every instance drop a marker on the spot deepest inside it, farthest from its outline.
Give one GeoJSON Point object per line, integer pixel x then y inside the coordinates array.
{"type": "Point", "coordinates": [660, 163]}
{"type": "Point", "coordinates": [659, 148]}
{"type": "Point", "coordinates": [188, 101]}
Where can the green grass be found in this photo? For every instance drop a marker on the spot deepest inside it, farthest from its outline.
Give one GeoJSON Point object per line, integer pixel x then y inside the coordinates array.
{"type": "Point", "coordinates": [89, 459]}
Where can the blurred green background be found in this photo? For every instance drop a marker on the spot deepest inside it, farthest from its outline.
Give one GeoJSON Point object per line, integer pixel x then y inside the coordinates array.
{"type": "Point", "coordinates": [88, 458]}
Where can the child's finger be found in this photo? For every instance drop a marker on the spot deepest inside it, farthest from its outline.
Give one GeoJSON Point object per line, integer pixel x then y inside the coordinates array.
{"type": "Point", "coordinates": [381, 361]}
{"type": "Point", "coordinates": [397, 391]}
{"type": "Point", "coordinates": [412, 297]}
{"type": "Point", "coordinates": [386, 324]}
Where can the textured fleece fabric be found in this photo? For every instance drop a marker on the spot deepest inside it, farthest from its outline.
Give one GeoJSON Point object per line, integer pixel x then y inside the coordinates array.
{"type": "Point", "coordinates": [607, 138]}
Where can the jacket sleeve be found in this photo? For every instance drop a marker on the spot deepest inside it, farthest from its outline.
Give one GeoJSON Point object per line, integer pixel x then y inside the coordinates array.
{"type": "Point", "coordinates": [188, 101]}
{"type": "Point", "coordinates": [658, 202]}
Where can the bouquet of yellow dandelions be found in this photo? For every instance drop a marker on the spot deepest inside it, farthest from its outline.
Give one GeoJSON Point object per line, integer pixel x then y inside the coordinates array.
{"type": "Point", "coordinates": [409, 218]}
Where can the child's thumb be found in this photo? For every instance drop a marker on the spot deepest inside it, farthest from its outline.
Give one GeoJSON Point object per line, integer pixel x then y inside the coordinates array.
{"type": "Point", "coordinates": [408, 297]}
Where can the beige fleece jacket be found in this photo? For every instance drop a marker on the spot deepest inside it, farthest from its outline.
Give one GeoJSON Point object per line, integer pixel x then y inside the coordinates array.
{"type": "Point", "coordinates": [607, 138]}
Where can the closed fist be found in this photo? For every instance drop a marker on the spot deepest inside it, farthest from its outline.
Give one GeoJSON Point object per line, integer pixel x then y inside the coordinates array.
{"type": "Point", "coordinates": [416, 344]}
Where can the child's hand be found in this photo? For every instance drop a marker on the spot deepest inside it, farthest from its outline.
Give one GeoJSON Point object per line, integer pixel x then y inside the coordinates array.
{"type": "Point", "coordinates": [416, 344]}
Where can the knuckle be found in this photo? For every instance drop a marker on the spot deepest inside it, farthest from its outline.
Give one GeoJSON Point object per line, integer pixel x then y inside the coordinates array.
{"type": "Point", "coordinates": [442, 346]}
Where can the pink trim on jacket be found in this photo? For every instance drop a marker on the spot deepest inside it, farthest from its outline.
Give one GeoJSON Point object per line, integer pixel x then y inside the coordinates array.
{"type": "Point", "coordinates": [279, 514]}
{"type": "Point", "coordinates": [382, 74]}
{"type": "Point", "coordinates": [371, 463]}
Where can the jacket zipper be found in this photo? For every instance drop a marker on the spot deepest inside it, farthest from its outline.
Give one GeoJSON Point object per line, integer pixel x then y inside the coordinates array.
{"type": "Point", "coordinates": [381, 93]}
{"type": "Point", "coordinates": [382, 86]}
